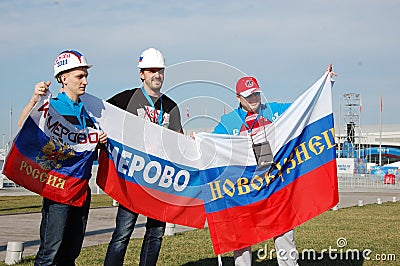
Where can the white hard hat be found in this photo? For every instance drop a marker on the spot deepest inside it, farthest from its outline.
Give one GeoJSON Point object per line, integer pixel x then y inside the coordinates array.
{"type": "Point", "coordinates": [151, 58]}
{"type": "Point", "coordinates": [69, 59]}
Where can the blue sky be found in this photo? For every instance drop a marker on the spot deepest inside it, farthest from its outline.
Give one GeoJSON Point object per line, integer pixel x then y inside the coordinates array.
{"type": "Point", "coordinates": [285, 44]}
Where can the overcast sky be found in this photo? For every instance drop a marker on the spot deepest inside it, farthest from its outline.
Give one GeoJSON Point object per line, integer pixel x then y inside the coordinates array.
{"type": "Point", "coordinates": [286, 45]}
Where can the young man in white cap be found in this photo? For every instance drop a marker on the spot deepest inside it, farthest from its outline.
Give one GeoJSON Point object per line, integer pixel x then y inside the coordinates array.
{"type": "Point", "coordinates": [63, 226]}
{"type": "Point", "coordinates": [150, 104]}
{"type": "Point", "coordinates": [248, 119]}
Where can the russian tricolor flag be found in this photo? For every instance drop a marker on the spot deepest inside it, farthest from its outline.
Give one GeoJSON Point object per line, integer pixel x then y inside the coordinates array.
{"type": "Point", "coordinates": [148, 169]}
{"type": "Point", "coordinates": [51, 157]}
{"type": "Point", "coordinates": [171, 177]}
{"type": "Point", "coordinates": [246, 205]}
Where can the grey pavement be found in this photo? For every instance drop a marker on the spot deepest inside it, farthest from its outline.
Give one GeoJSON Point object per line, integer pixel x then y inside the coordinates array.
{"type": "Point", "coordinates": [25, 227]}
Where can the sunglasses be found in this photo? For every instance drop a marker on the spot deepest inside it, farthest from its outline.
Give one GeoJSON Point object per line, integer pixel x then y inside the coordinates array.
{"type": "Point", "coordinates": [257, 94]}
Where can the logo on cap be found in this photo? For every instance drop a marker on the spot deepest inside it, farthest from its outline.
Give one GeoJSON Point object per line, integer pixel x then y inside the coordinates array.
{"type": "Point", "coordinates": [249, 83]}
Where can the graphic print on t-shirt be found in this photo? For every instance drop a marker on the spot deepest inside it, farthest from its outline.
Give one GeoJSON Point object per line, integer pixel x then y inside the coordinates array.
{"type": "Point", "coordinates": [148, 113]}
{"type": "Point", "coordinates": [254, 124]}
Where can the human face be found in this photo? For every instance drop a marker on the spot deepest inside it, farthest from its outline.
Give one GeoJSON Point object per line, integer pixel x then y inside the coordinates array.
{"type": "Point", "coordinates": [153, 79]}
{"type": "Point", "coordinates": [250, 103]}
{"type": "Point", "coordinates": [74, 82]}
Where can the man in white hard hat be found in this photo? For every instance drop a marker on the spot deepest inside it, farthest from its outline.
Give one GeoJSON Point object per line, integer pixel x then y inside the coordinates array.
{"type": "Point", "coordinates": [63, 226]}
{"type": "Point", "coordinates": [149, 103]}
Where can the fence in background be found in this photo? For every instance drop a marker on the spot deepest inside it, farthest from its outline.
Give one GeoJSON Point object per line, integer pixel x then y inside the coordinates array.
{"type": "Point", "coordinates": [367, 181]}
{"type": "Point", "coordinates": [348, 182]}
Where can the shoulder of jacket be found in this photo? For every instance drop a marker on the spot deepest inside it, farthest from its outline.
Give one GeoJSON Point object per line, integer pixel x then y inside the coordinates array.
{"type": "Point", "coordinates": [125, 93]}
{"type": "Point", "coordinates": [167, 98]}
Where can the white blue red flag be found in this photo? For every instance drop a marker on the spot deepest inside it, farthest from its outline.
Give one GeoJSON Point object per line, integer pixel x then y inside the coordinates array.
{"type": "Point", "coordinates": [171, 177]}
{"type": "Point", "coordinates": [51, 157]}
{"type": "Point", "coordinates": [246, 205]}
{"type": "Point", "coordinates": [148, 169]}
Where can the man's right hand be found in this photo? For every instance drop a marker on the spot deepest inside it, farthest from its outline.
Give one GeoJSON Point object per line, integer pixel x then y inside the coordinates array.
{"type": "Point", "coordinates": [40, 90]}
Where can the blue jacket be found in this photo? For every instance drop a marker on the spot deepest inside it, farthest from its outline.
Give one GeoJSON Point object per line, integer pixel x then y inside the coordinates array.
{"type": "Point", "coordinates": [232, 122]}
{"type": "Point", "coordinates": [72, 111]}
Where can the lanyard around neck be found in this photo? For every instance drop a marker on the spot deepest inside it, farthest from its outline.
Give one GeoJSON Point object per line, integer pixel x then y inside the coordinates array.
{"type": "Point", "coordinates": [160, 116]}
{"type": "Point", "coordinates": [249, 129]}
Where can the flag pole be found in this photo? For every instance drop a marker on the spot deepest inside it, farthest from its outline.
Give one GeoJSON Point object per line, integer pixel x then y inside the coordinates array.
{"type": "Point", "coordinates": [380, 134]}
{"type": "Point", "coordinates": [187, 112]}
{"type": "Point", "coordinates": [360, 137]}
{"type": "Point", "coordinates": [340, 125]}
{"type": "Point", "coordinates": [10, 119]}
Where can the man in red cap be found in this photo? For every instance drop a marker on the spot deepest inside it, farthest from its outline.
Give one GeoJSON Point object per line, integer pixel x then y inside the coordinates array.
{"type": "Point", "coordinates": [251, 113]}
{"type": "Point", "coordinates": [248, 119]}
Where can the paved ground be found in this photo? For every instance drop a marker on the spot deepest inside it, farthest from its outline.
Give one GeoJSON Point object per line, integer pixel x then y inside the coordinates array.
{"type": "Point", "coordinates": [25, 227]}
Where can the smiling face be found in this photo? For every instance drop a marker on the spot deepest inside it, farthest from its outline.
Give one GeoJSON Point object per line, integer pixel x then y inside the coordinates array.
{"type": "Point", "coordinates": [250, 103]}
{"type": "Point", "coordinates": [75, 82]}
{"type": "Point", "coordinates": [153, 79]}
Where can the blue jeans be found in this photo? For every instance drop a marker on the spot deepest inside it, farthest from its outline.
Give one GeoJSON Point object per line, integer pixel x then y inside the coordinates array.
{"type": "Point", "coordinates": [125, 224]}
{"type": "Point", "coordinates": [61, 232]}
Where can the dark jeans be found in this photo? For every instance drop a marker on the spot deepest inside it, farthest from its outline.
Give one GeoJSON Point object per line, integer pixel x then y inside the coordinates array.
{"type": "Point", "coordinates": [125, 223]}
{"type": "Point", "coordinates": [61, 232]}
